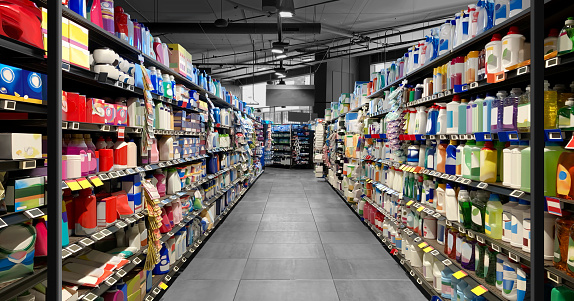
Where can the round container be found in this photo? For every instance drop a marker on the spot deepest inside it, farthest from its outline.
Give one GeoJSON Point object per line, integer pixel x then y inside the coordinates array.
{"type": "Point", "coordinates": [73, 166]}
{"type": "Point", "coordinates": [106, 159]}
{"type": "Point", "coordinates": [494, 55]}
{"type": "Point", "coordinates": [512, 48]}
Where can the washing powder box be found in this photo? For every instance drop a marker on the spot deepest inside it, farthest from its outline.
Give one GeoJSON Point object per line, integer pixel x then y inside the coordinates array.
{"type": "Point", "coordinates": [121, 115]}
{"type": "Point", "coordinates": [65, 35]}
{"type": "Point", "coordinates": [132, 186]}
{"type": "Point", "coordinates": [110, 113]}
{"type": "Point", "coordinates": [24, 194]}
{"type": "Point", "coordinates": [78, 39]}
{"type": "Point", "coordinates": [11, 84]}
{"type": "Point", "coordinates": [180, 60]}
{"type": "Point", "coordinates": [20, 146]}
{"type": "Point", "coordinates": [95, 110]}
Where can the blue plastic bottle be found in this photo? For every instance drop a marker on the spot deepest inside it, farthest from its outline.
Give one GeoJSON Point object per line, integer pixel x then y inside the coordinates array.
{"type": "Point", "coordinates": [490, 14]}
{"type": "Point", "coordinates": [462, 285]}
{"type": "Point", "coordinates": [447, 291]}
{"type": "Point", "coordinates": [486, 113]}
{"type": "Point", "coordinates": [432, 119]}
{"type": "Point", "coordinates": [431, 156]}
{"type": "Point", "coordinates": [450, 166]}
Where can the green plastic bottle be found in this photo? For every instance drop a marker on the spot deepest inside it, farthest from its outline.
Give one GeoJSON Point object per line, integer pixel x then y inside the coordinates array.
{"type": "Point", "coordinates": [493, 217]}
{"type": "Point", "coordinates": [467, 164]}
{"type": "Point", "coordinates": [564, 122]}
{"type": "Point", "coordinates": [552, 153]}
{"type": "Point", "coordinates": [475, 161]}
{"type": "Point", "coordinates": [525, 174]}
{"type": "Point", "coordinates": [566, 37]}
{"type": "Point", "coordinates": [490, 266]}
{"type": "Point", "coordinates": [464, 206]}
{"type": "Point", "coordinates": [478, 210]}
{"type": "Point", "coordinates": [561, 293]}
{"type": "Point", "coordinates": [479, 255]}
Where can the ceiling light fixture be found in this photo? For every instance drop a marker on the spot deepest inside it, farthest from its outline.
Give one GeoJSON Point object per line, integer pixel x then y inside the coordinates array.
{"type": "Point", "coordinates": [286, 9]}
{"type": "Point", "coordinates": [279, 47]}
{"type": "Point", "coordinates": [221, 22]}
{"type": "Point", "coordinates": [280, 71]}
{"type": "Point", "coordinates": [281, 82]}
{"type": "Point", "coordinates": [281, 56]}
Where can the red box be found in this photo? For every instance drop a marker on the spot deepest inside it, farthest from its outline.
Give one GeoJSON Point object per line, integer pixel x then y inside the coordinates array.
{"type": "Point", "coordinates": [121, 115]}
{"type": "Point", "coordinates": [76, 107]}
{"type": "Point", "coordinates": [95, 110]}
{"type": "Point", "coordinates": [110, 113]}
{"type": "Point", "coordinates": [64, 105]}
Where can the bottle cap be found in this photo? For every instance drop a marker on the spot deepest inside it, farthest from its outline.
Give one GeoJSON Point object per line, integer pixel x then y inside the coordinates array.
{"type": "Point", "coordinates": [513, 30]}
{"type": "Point", "coordinates": [496, 37]}
{"type": "Point", "coordinates": [456, 98]}
{"type": "Point", "coordinates": [569, 21]}
{"type": "Point", "coordinates": [553, 32]}
{"type": "Point", "coordinates": [570, 102]}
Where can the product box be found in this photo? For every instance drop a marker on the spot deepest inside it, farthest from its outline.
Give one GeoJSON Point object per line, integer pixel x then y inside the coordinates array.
{"type": "Point", "coordinates": [11, 86]}
{"type": "Point", "coordinates": [180, 60]}
{"type": "Point", "coordinates": [179, 120]}
{"type": "Point", "coordinates": [65, 35]}
{"type": "Point", "coordinates": [24, 194]}
{"type": "Point", "coordinates": [78, 40]}
{"type": "Point", "coordinates": [76, 107]}
{"type": "Point", "coordinates": [33, 86]}
{"type": "Point", "coordinates": [121, 115]}
{"type": "Point", "coordinates": [95, 110]}
{"type": "Point", "coordinates": [110, 113]}
{"type": "Point", "coordinates": [20, 146]}
{"type": "Point", "coordinates": [133, 282]}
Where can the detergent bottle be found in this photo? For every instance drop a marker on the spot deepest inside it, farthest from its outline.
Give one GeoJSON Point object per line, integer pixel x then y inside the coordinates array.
{"type": "Point", "coordinates": [462, 116]}
{"type": "Point", "coordinates": [513, 48]}
{"type": "Point", "coordinates": [564, 120]}
{"type": "Point", "coordinates": [500, 260]}
{"type": "Point", "coordinates": [507, 163]}
{"type": "Point", "coordinates": [500, 11]}
{"type": "Point", "coordinates": [516, 167]}
{"type": "Point", "coordinates": [508, 111]}
{"type": "Point", "coordinates": [552, 153]}
{"type": "Point", "coordinates": [523, 112]}
{"type": "Point", "coordinates": [499, 145]}
{"type": "Point", "coordinates": [459, 158]}
{"type": "Point", "coordinates": [441, 128]}
{"type": "Point", "coordinates": [479, 210]}
{"type": "Point", "coordinates": [445, 38]}
{"type": "Point", "coordinates": [566, 37]}
{"type": "Point", "coordinates": [120, 154]}
{"type": "Point", "coordinates": [467, 154]}
{"type": "Point", "coordinates": [509, 279]}
{"type": "Point", "coordinates": [481, 19]}
{"type": "Point", "coordinates": [518, 214]}
{"type": "Point", "coordinates": [452, 115]}
{"type": "Point", "coordinates": [465, 207]}
{"type": "Point", "coordinates": [493, 217]}
{"type": "Point", "coordinates": [490, 266]}
{"type": "Point", "coordinates": [564, 175]}
{"type": "Point", "coordinates": [525, 173]}
{"type": "Point", "coordinates": [486, 113]}
{"type": "Point", "coordinates": [451, 204]}
{"type": "Point", "coordinates": [430, 155]}
{"type": "Point", "coordinates": [469, 106]}
{"type": "Point", "coordinates": [467, 253]}
{"type": "Point", "coordinates": [477, 114]}
{"type": "Point", "coordinates": [551, 42]}
{"type": "Point", "coordinates": [440, 198]}
{"type": "Point", "coordinates": [479, 256]}
{"type": "Point", "coordinates": [516, 6]}
{"type": "Point", "coordinates": [494, 54]}
{"type": "Point", "coordinates": [488, 161]}
{"type": "Point", "coordinates": [562, 230]}
{"type": "Point", "coordinates": [507, 219]}
{"type": "Point", "coordinates": [475, 161]}
{"type": "Point", "coordinates": [441, 157]}
{"type": "Point", "coordinates": [451, 159]}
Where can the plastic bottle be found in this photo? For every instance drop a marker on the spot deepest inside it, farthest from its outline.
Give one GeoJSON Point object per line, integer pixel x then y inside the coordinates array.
{"type": "Point", "coordinates": [441, 156]}
{"type": "Point", "coordinates": [551, 42]}
{"type": "Point", "coordinates": [469, 122]}
{"type": "Point", "coordinates": [494, 54]}
{"type": "Point", "coordinates": [526, 231]}
{"type": "Point", "coordinates": [513, 48]}
{"type": "Point", "coordinates": [132, 154]}
{"type": "Point", "coordinates": [486, 113]}
{"type": "Point", "coordinates": [566, 37]}
{"type": "Point", "coordinates": [507, 163]}
{"type": "Point", "coordinates": [440, 198]}
{"type": "Point", "coordinates": [120, 154]}
{"type": "Point", "coordinates": [490, 266]}
{"type": "Point", "coordinates": [562, 293]}
{"type": "Point", "coordinates": [496, 106]}
{"type": "Point", "coordinates": [479, 255]}
{"type": "Point", "coordinates": [507, 218]}
{"type": "Point", "coordinates": [91, 154]}
{"type": "Point", "coordinates": [428, 261]}
{"type": "Point", "coordinates": [500, 11]}
{"type": "Point", "coordinates": [481, 18]}
{"type": "Point", "coordinates": [564, 120]}
{"type": "Point", "coordinates": [549, 222]}
{"type": "Point", "coordinates": [437, 268]}
{"type": "Point", "coordinates": [430, 155]}
{"type": "Point", "coordinates": [523, 112]}
{"type": "Point", "coordinates": [451, 159]}
{"type": "Point", "coordinates": [468, 253]}
{"type": "Point", "coordinates": [517, 222]}
{"type": "Point", "coordinates": [77, 146]}
{"type": "Point", "coordinates": [552, 153]}
{"type": "Point", "coordinates": [478, 211]}
{"type": "Point", "coordinates": [445, 38]}
{"type": "Point", "coordinates": [459, 158]}
{"type": "Point", "coordinates": [432, 116]}
{"type": "Point", "coordinates": [475, 166]}
{"type": "Point", "coordinates": [465, 23]}
{"type": "Point", "coordinates": [109, 143]}
{"type": "Point", "coordinates": [473, 20]}
{"type": "Point", "coordinates": [493, 217]}
{"type": "Point", "coordinates": [516, 165]}
{"type": "Point", "coordinates": [509, 280]}
{"type": "Point", "coordinates": [464, 207]}
{"type": "Point", "coordinates": [488, 161]}
{"type": "Point", "coordinates": [499, 145]}
{"type": "Point", "coordinates": [457, 33]}
{"type": "Point", "coordinates": [462, 116]}
{"type": "Point", "coordinates": [85, 212]}
{"type": "Point", "coordinates": [550, 106]}
{"type": "Point", "coordinates": [477, 114]}
{"type": "Point", "coordinates": [467, 155]}
{"type": "Point", "coordinates": [500, 260]}
{"type": "Point", "coordinates": [447, 291]}
{"type": "Point", "coordinates": [562, 229]}
{"type": "Point", "coordinates": [508, 111]}
{"type": "Point", "coordinates": [452, 115]}
{"type": "Point", "coordinates": [451, 204]}
{"type": "Point", "coordinates": [441, 128]}
{"type": "Point", "coordinates": [421, 121]}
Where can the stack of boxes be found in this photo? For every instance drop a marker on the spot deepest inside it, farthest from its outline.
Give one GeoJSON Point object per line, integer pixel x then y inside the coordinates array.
{"type": "Point", "coordinates": [74, 41]}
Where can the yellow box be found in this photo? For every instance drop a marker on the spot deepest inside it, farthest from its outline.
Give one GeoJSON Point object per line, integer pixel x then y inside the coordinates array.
{"type": "Point", "coordinates": [79, 39]}
{"type": "Point", "coordinates": [180, 60]}
{"type": "Point", "coordinates": [65, 35]}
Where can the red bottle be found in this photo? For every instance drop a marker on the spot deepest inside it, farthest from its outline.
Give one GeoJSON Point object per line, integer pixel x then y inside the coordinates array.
{"type": "Point", "coordinates": [121, 23]}
{"type": "Point", "coordinates": [86, 212]}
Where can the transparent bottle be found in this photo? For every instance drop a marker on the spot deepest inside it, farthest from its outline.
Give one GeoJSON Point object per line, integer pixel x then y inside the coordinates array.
{"type": "Point", "coordinates": [508, 112]}
{"type": "Point", "coordinates": [493, 217]}
{"type": "Point", "coordinates": [550, 106]}
{"type": "Point", "coordinates": [523, 113]}
{"type": "Point", "coordinates": [566, 37]}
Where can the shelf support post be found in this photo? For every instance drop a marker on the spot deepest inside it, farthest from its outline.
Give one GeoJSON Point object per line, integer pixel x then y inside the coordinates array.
{"type": "Point", "coordinates": [54, 186]}
{"type": "Point", "coordinates": [537, 149]}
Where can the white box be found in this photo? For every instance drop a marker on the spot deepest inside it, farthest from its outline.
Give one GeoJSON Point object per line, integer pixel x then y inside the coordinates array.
{"type": "Point", "coordinates": [20, 146]}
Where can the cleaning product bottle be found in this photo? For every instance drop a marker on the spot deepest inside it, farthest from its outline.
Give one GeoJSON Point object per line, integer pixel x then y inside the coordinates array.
{"type": "Point", "coordinates": [441, 156]}
{"type": "Point", "coordinates": [486, 113]}
{"type": "Point", "coordinates": [496, 106]}
{"type": "Point", "coordinates": [525, 173]}
{"type": "Point", "coordinates": [564, 121]}
{"type": "Point", "coordinates": [516, 161]}
{"type": "Point", "coordinates": [428, 261]}
{"type": "Point", "coordinates": [509, 280]}
{"type": "Point", "coordinates": [467, 154]}
{"type": "Point", "coordinates": [475, 160]}
{"type": "Point", "coordinates": [562, 229]}
{"type": "Point", "coordinates": [494, 54]}
{"type": "Point", "coordinates": [85, 213]}
{"type": "Point", "coordinates": [437, 268]}
{"type": "Point", "coordinates": [513, 51]}
{"type": "Point", "coordinates": [509, 109]}
{"type": "Point", "coordinates": [552, 153]}
{"type": "Point", "coordinates": [478, 211]}
{"type": "Point", "coordinates": [445, 38]}
{"type": "Point", "coordinates": [441, 119]}
{"type": "Point", "coordinates": [467, 255]}
{"type": "Point", "coordinates": [523, 113]}
{"type": "Point", "coordinates": [488, 161]}
{"type": "Point", "coordinates": [499, 145]}
{"type": "Point", "coordinates": [481, 19]}
{"type": "Point", "coordinates": [132, 160]}
{"type": "Point", "coordinates": [562, 293]}
{"type": "Point", "coordinates": [440, 198]}
{"type": "Point", "coordinates": [564, 175]}
{"type": "Point", "coordinates": [551, 42]}
{"type": "Point", "coordinates": [518, 214]}
{"type": "Point", "coordinates": [422, 154]}
{"type": "Point", "coordinates": [550, 106]}
{"type": "Point", "coordinates": [465, 23]}
{"type": "Point", "coordinates": [493, 217]}
{"type": "Point", "coordinates": [77, 146]}
{"type": "Point", "coordinates": [507, 218]}
{"type": "Point", "coordinates": [432, 116]}
{"type": "Point", "coordinates": [566, 37]}
{"type": "Point", "coordinates": [120, 154]}
{"type": "Point", "coordinates": [462, 116]}
{"type": "Point", "coordinates": [490, 266]}
{"type": "Point", "coordinates": [459, 158]}
{"type": "Point", "coordinates": [421, 121]}
{"type": "Point", "coordinates": [500, 260]}
{"type": "Point", "coordinates": [91, 154]}
{"type": "Point", "coordinates": [452, 115]}
{"type": "Point", "coordinates": [430, 155]}
{"type": "Point", "coordinates": [507, 163]}
{"type": "Point", "coordinates": [469, 106]}
{"type": "Point", "coordinates": [465, 207]}
{"type": "Point", "coordinates": [477, 114]}
{"type": "Point", "coordinates": [500, 11]}
{"type": "Point", "coordinates": [451, 204]}
{"type": "Point", "coordinates": [479, 255]}
{"type": "Point", "coordinates": [451, 159]}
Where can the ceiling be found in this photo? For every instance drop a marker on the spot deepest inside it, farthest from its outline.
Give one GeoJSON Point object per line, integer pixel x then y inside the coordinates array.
{"type": "Point", "coordinates": [340, 19]}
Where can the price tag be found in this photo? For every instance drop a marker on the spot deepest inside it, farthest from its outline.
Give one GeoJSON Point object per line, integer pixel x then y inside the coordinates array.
{"type": "Point", "coordinates": [66, 254]}
{"type": "Point", "coordinates": [460, 274]}
{"type": "Point", "coordinates": [97, 182]}
{"type": "Point", "coordinates": [421, 209]}
{"type": "Point", "coordinates": [121, 224]}
{"type": "Point", "coordinates": [517, 193]}
{"type": "Point", "coordinates": [137, 260]}
{"type": "Point", "coordinates": [409, 203]}
{"type": "Point", "coordinates": [554, 278]}
{"type": "Point", "coordinates": [183, 259]}
{"type": "Point", "coordinates": [98, 236]}
{"type": "Point", "coordinates": [148, 167]}
{"type": "Point", "coordinates": [447, 93]}
{"type": "Point", "coordinates": [441, 94]}
{"type": "Point", "coordinates": [466, 181]}
{"type": "Point", "coordinates": [113, 174]}
{"type": "Point", "coordinates": [552, 62]}
{"type": "Point", "coordinates": [461, 230]}
{"type": "Point", "coordinates": [111, 281]}
{"type": "Point", "coordinates": [437, 215]}
{"type": "Point", "coordinates": [448, 223]}
{"type": "Point", "coordinates": [34, 213]}
{"type": "Point", "coordinates": [428, 249]}
{"type": "Point", "coordinates": [92, 297]}
{"type": "Point", "coordinates": [161, 165]}
{"type": "Point", "coordinates": [176, 268]}
{"type": "Point", "coordinates": [470, 234]}
{"type": "Point", "coordinates": [148, 298]}
{"type": "Point", "coordinates": [156, 291]}
{"type": "Point", "coordinates": [480, 239]}
{"type": "Point", "coordinates": [479, 290]}
{"type": "Point", "coordinates": [447, 262]}
{"type": "Point", "coordinates": [459, 180]}
{"type": "Point", "coordinates": [168, 163]}
{"type": "Point", "coordinates": [86, 242]}
{"type": "Point", "coordinates": [121, 273]}
{"type": "Point", "coordinates": [422, 245]}
{"type": "Point", "coordinates": [495, 247]}
{"type": "Point", "coordinates": [482, 185]}
{"type": "Point", "coordinates": [412, 273]}
{"type": "Point", "coordinates": [435, 252]}
{"type": "Point", "coordinates": [167, 278]}
{"type": "Point", "coordinates": [444, 176]}
{"type": "Point", "coordinates": [523, 70]}
{"type": "Point", "coordinates": [139, 169]}
{"type": "Point", "coordinates": [106, 232]}
{"type": "Point", "coordinates": [417, 239]}
{"type": "Point", "coordinates": [73, 185]}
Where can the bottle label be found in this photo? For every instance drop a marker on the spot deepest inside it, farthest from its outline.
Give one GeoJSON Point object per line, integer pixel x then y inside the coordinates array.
{"type": "Point", "coordinates": [476, 216]}
{"type": "Point", "coordinates": [500, 11]}
{"type": "Point", "coordinates": [515, 4]}
{"type": "Point", "coordinates": [466, 253]}
{"type": "Point", "coordinates": [494, 116]}
{"type": "Point", "coordinates": [564, 119]}
{"type": "Point", "coordinates": [564, 42]}
{"type": "Point", "coordinates": [523, 118]}
{"type": "Point", "coordinates": [570, 254]}
{"type": "Point", "coordinates": [487, 228]}
{"type": "Point", "coordinates": [507, 222]}
{"type": "Point", "coordinates": [508, 115]}
{"type": "Point", "coordinates": [509, 279]}
{"type": "Point", "coordinates": [475, 160]}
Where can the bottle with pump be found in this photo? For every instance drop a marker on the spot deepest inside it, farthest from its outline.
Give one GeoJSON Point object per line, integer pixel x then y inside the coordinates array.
{"type": "Point", "coordinates": [566, 37]}
{"type": "Point", "coordinates": [488, 161]}
{"type": "Point", "coordinates": [493, 217]}
{"type": "Point", "coordinates": [452, 115]}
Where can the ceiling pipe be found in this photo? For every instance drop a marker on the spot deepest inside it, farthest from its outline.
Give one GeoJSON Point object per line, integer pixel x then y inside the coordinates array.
{"type": "Point", "coordinates": [234, 28]}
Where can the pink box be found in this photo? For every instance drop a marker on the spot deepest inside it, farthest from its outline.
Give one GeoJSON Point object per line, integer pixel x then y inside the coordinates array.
{"type": "Point", "coordinates": [121, 115]}
{"type": "Point", "coordinates": [110, 113]}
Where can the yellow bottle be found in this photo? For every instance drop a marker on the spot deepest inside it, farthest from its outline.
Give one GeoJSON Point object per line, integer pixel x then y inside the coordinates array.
{"type": "Point", "coordinates": [550, 106]}
{"type": "Point", "coordinates": [488, 160]}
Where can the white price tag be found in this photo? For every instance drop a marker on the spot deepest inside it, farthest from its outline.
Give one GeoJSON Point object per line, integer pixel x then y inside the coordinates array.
{"type": "Point", "coordinates": [495, 247]}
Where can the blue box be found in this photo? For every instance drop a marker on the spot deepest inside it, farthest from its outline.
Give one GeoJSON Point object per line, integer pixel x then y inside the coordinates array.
{"type": "Point", "coordinates": [11, 84]}
{"type": "Point", "coordinates": [33, 85]}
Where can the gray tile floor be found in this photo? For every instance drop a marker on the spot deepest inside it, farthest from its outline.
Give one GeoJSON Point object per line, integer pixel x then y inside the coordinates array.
{"type": "Point", "coordinates": [292, 238]}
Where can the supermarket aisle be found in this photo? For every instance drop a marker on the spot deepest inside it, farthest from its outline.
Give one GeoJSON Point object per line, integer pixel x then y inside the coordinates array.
{"type": "Point", "coordinates": [292, 238]}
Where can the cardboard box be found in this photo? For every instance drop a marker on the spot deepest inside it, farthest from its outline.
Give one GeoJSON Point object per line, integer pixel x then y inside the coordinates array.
{"type": "Point", "coordinates": [78, 39]}
{"type": "Point", "coordinates": [20, 146]}
{"type": "Point", "coordinates": [95, 110]}
{"type": "Point", "coordinates": [11, 86]}
{"type": "Point", "coordinates": [121, 115]}
{"type": "Point", "coordinates": [110, 113]}
{"type": "Point", "coordinates": [76, 107]}
{"type": "Point", "coordinates": [24, 194]}
{"type": "Point", "coordinates": [180, 60]}
{"type": "Point", "coordinates": [65, 35]}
